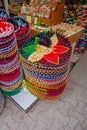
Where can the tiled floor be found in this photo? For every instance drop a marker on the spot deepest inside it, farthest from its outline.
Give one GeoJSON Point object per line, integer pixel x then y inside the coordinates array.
{"type": "Point", "coordinates": [67, 113]}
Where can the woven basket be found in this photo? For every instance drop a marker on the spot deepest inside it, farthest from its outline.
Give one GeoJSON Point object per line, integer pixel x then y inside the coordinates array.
{"type": "Point", "coordinates": [14, 9]}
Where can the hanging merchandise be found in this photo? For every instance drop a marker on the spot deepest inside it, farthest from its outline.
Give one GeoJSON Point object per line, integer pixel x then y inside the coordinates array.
{"type": "Point", "coordinates": [3, 15]}
{"type": "Point", "coordinates": [22, 29]}
{"type": "Point", "coordinates": [10, 68]}
{"type": "Point", "coordinates": [46, 64]}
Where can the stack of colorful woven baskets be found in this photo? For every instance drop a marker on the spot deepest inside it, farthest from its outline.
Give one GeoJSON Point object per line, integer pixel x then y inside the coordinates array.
{"type": "Point", "coordinates": [85, 32]}
{"type": "Point", "coordinates": [45, 59]}
{"type": "Point", "coordinates": [22, 29]}
{"type": "Point", "coordinates": [10, 69]}
{"type": "Point", "coordinates": [3, 15]}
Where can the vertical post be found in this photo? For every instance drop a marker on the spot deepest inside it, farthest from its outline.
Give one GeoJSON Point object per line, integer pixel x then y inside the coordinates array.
{"type": "Point", "coordinates": [6, 5]}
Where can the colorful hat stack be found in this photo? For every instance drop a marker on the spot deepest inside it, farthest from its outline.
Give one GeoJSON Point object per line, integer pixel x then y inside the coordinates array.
{"type": "Point", "coordinates": [45, 59]}
{"type": "Point", "coordinates": [3, 15]}
{"type": "Point", "coordinates": [81, 46]}
{"type": "Point", "coordinates": [10, 69]}
{"type": "Point", "coordinates": [85, 32]}
{"type": "Point", "coordinates": [22, 29]}
{"type": "Point", "coordinates": [83, 20]}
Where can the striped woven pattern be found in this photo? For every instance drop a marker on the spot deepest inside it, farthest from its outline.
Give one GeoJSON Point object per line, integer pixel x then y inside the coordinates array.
{"type": "Point", "coordinates": [21, 28]}
{"type": "Point", "coordinates": [11, 74]}
{"type": "Point", "coordinates": [46, 71]}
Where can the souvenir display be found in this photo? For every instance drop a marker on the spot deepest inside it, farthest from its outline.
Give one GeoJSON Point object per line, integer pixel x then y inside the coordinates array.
{"type": "Point", "coordinates": [36, 8]}
{"type": "Point", "coordinates": [77, 15]}
{"type": "Point", "coordinates": [66, 29]}
{"type": "Point", "coordinates": [10, 69]}
{"type": "Point", "coordinates": [45, 64]}
{"type": "Point", "coordinates": [46, 11]}
{"type": "Point", "coordinates": [81, 20]}
{"type": "Point", "coordinates": [21, 28]}
{"type": "Point", "coordinates": [69, 30]}
{"type": "Point", "coordinates": [39, 27]}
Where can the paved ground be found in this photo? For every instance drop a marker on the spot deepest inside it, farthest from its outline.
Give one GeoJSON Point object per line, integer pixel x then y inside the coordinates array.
{"type": "Point", "coordinates": [67, 113]}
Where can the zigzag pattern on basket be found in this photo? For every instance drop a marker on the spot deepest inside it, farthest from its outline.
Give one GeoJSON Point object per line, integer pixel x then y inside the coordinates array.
{"type": "Point", "coordinates": [46, 64]}
{"type": "Point", "coordinates": [11, 74]}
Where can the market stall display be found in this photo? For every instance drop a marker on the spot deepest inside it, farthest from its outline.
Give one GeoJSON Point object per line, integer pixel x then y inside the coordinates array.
{"type": "Point", "coordinates": [47, 11]}
{"type": "Point", "coordinates": [71, 31]}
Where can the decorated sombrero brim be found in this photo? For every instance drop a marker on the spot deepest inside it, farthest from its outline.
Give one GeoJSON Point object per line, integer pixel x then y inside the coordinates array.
{"type": "Point", "coordinates": [6, 29]}
{"type": "Point", "coordinates": [58, 57]}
